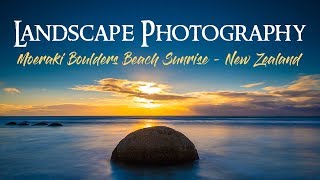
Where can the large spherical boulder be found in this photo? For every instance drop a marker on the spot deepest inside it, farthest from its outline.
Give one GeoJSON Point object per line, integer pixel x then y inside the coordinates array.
{"type": "Point", "coordinates": [155, 145]}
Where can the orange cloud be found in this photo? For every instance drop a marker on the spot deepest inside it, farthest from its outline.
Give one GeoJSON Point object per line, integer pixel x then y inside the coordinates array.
{"type": "Point", "coordinates": [11, 90]}
{"type": "Point", "coordinates": [307, 82]}
{"type": "Point", "coordinates": [140, 89]}
{"type": "Point", "coordinates": [252, 85]}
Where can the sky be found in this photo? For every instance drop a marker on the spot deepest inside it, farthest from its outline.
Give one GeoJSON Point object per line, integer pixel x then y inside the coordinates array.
{"type": "Point", "coordinates": [213, 89]}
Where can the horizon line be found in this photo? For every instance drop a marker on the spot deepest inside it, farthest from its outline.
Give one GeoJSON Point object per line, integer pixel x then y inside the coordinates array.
{"type": "Point", "coordinates": [262, 116]}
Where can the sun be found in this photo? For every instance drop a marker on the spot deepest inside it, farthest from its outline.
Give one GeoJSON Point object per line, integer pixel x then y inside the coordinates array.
{"type": "Point", "coordinates": [149, 89]}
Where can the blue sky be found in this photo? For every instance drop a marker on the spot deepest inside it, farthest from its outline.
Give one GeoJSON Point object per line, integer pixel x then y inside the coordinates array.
{"type": "Point", "coordinates": [56, 81]}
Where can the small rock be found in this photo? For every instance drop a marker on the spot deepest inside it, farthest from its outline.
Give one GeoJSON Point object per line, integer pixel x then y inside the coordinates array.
{"type": "Point", "coordinates": [11, 123]}
{"type": "Point", "coordinates": [41, 124]}
{"type": "Point", "coordinates": [55, 124]}
{"type": "Point", "coordinates": [157, 145]}
{"type": "Point", "coordinates": [23, 124]}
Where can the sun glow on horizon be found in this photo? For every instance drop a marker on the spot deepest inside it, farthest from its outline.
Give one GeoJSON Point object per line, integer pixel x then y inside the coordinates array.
{"type": "Point", "coordinates": [146, 123]}
{"type": "Point", "coordinates": [146, 103]}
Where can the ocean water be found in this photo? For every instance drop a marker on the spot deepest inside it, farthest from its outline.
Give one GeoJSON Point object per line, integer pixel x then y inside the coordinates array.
{"type": "Point", "coordinates": [229, 148]}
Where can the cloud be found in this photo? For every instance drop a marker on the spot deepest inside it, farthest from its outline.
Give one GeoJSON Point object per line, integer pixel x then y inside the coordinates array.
{"type": "Point", "coordinates": [11, 90]}
{"type": "Point", "coordinates": [252, 85]}
{"type": "Point", "coordinates": [300, 97]}
{"type": "Point", "coordinates": [257, 109]}
{"type": "Point", "coordinates": [306, 82]}
{"type": "Point", "coordinates": [6, 109]}
{"type": "Point", "coordinates": [59, 109]}
{"type": "Point", "coordinates": [140, 89]}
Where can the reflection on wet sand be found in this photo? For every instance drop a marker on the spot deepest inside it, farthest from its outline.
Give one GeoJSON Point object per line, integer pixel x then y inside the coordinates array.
{"type": "Point", "coordinates": [145, 123]}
